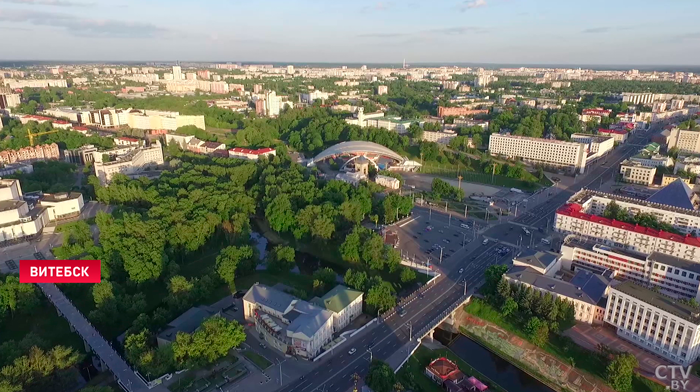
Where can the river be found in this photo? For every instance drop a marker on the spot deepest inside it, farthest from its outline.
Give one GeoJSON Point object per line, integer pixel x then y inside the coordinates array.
{"type": "Point", "coordinates": [491, 365]}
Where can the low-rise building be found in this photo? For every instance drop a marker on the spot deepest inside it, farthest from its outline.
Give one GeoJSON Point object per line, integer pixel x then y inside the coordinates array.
{"type": "Point", "coordinates": [63, 205]}
{"type": "Point", "coordinates": [288, 324]}
{"type": "Point", "coordinates": [18, 222]}
{"type": "Point", "coordinates": [597, 145]}
{"type": "Point", "coordinates": [690, 164]}
{"type": "Point", "coordinates": [133, 163]}
{"type": "Point", "coordinates": [636, 173]}
{"type": "Point", "coordinates": [353, 178]}
{"type": "Point", "coordinates": [388, 182]}
{"type": "Point", "coordinates": [181, 140]}
{"type": "Point", "coordinates": [13, 168]}
{"type": "Point", "coordinates": [619, 135]}
{"type": "Point", "coordinates": [668, 179]}
{"type": "Point", "coordinates": [252, 155]}
{"type": "Point", "coordinates": [657, 323]}
{"type": "Point", "coordinates": [345, 303]}
{"type": "Point", "coordinates": [447, 375]}
{"type": "Point", "coordinates": [439, 137]}
{"type": "Point", "coordinates": [542, 262]}
{"type": "Point", "coordinates": [127, 141]}
{"type": "Point", "coordinates": [594, 114]}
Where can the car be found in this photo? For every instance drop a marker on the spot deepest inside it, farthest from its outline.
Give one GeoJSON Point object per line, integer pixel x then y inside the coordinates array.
{"type": "Point", "coordinates": [420, 296]}
{"type": "Point", "coordinates": [401, 312]}
{"type": "Point", "coordinates": [485, 241]}
{"type": "Point", "coordinates": [461, 270]}
{"type": "Point", "coordinates": [235, 308]}
{"type": "Point", "coordinates": [546, 241]}
{"type": "Point", "coordinates": [441, 231]}
{"type": "Point", "coordinates": [526, 231]}
{"type": "Point", "coordinates": [464, 226]}
{"type": "Point", "coordinates": [352, 351]}
{"type": "Point", "coordinates": [415, 236]}
{"type": "Point", "coordinates": [263, 345]}
{"type": "Point", "coordinates": [445, 240]}
{"type": "Point", "coordinates": [426, 241]}
{"type": "Point", "coordinates": [455, 235]}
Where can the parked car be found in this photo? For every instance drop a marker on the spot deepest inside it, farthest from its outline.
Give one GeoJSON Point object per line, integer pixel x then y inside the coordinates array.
{"type": "Point", "coordinates": [352, 351]}
{"type": "Point", "coordinates": [461, 270]}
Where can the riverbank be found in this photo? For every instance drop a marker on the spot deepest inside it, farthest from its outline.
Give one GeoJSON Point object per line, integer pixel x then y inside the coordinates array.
{"type": "Point", "coordinates": [555, 371]}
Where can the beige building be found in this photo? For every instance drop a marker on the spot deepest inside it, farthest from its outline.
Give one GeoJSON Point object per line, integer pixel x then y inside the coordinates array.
{"type": "Point", "coordinates": [35, 83]}
{"type": "Point", "coordinates": [636, 173]}
{"type": "Point", "coordinates": [655, 322]}
{"type": "Point", "coordinates": [388, 182]}
{"type": "Point", "coordinates": [63, 205]}
{"type": "Point", "coordinates": [439, 137]}
{"type": "Point", "coordinates": [131, 164]}
{"type": "Point", "coordinates": [558, 154]}
{"type": "Point", "coordinates": [685, 141]}
{"type": "Point", "coordinates": [667, 179]}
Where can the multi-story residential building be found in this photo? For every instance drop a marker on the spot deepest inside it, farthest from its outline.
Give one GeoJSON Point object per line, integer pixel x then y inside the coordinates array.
{"type": "Point", "coordinates": [439, 137]}
{"type": "Point", "coordinates": [672, 275]}
{"type": "Point", "coordinates": [652, 159]}
{"type": "Point", "coordinates": [668, 179]}
{"type": "Point", "coordinates": [288, 324]}
{"type": "Point", "coordinates": [272, 104]}
{"type": "Point", "coordinates": [637, 98]}
{"type": "Point", "coordinates": [177, 72]}
{"type": "Point", "coordinates": [253, 155]}
{"type": "Point", "coordinates": [43, 152]}
{"type": "Point", "coordinates": [141, 119]}
{"type": "Point", "coordinates": [81, 155]}
{"type": "Point", "coordinates": [686, 141]}
{"type": "Point", "coordinates": [310, 97]}
{"type": "Point", "coordinates": [636, 173]}
{"type": "Point", "coordinates": [557, 154]}
{"type": "Point", "coordinates": [598, 146]}
{"type": "Point", "coordinates": [690, 164]}
{"type": "Point", "coordinates": [8, 98]}
{"type": "Point", "coordinates": [202, 147]}
{"type": "Point", "coordinates": [382, 90]}
{"type": "Point", "coordinates": [35, 83]}
{"type": "Point", "coordinates": [619, 135]}
{"type": "Point", "coordinates": [131, 164]}
{"type": "Point", "coordinates": [460, 111]}
{"type": "Point", "coordinates": [657, 323]}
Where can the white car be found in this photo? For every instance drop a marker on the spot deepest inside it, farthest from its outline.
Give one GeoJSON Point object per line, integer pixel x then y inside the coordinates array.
{"type": "Point", "coordinates": [352, 351]}
{"type": "Point", "coordinates": [461, 270]}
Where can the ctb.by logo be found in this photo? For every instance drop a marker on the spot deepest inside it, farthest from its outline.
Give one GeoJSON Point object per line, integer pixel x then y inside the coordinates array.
{"type": "Point", "coordinates": [676, 377]}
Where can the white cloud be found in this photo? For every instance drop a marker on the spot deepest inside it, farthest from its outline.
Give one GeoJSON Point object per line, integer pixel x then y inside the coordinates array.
{"type": "Point", "coordinates": [468, 5]}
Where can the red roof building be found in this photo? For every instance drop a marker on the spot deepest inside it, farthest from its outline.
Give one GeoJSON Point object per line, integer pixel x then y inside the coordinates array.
{"type": "Point", "coordinates": [447, 374]}
{"type": "Point", "coordinates": [253, 155]}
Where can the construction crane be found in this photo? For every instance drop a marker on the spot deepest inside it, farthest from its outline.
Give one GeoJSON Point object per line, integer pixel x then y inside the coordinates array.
{"type": "Point", "coordinates": [32, 135]}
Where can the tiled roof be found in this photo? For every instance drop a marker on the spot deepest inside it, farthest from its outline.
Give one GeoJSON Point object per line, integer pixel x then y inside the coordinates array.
{"type": "Point", "coordinates": [251, 152]}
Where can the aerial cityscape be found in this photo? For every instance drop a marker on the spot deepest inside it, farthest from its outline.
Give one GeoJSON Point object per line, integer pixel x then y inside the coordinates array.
{"type": "Point", "coordinates": [496, 199]}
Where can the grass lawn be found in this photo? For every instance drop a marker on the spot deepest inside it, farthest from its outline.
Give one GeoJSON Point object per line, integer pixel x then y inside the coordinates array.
{"type": "Point", "coordinates": [452, 171]}
{"type": "Point", "coordinates": [257, 359]}
{"type": "Point", "coordinates": [413, 371]}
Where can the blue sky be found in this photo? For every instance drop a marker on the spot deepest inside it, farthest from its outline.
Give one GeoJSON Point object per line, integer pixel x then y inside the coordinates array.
{"type": "Point", "coordinates": [493, 31]}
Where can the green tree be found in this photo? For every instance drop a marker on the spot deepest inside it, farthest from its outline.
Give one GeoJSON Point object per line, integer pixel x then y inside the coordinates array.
{"type": "Point", "coordinates": [407, 275]}
{"type": "Point", "coordinates": [325, 278]}
{"type": "Point", "coordinates": [16, 297]}
{"type": "Point", "coordinates": [230, 259]}
{"type": "Point", "coordinates": [381, 296]}
{"type": "Point", "coordinates": [211, 341]}
{"type": "Point", "coordinates": [493, 276]}
{"type": "Point", "coordinates": [102, 293]}
{"type": "Point", "coordinates": [350, 248]}
{"type": "Point", "coordinates": [537, 331]}
{"type": "Point", "coordinates": [281, 259]}
{"type": "Point", "coordinates": [509, 307]}
{"type": "Point", "coordinates": [356, 279]}
{"type": "Point", "coordinates": [620, 372]}
{"type": "Point", "coordinates": [380, 377]}
{"type": "Point", "coordinates": [279, 213]}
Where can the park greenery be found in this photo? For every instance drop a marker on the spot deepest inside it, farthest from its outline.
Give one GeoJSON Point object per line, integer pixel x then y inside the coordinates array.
{"type": "Point", "coordinates": [14, 136]}
{"type": "Point", "coordinates": [381, 378]}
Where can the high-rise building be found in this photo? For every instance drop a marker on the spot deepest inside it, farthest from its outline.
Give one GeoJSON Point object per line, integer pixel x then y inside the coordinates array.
{"type": "Point", "coordinates": [272, 103]}
{"type": "Point", "coordinates": [177, 72]}
{"type": "Point", "coordinates": [290, 69]}
{"type": "Point", "coordinates": [551, 153]}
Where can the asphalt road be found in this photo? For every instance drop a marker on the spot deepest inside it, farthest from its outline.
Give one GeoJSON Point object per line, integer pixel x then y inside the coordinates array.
{"type": "Point", "coordinates": [336, 373]}
{"type": "Point", "coordinates": [543, 214]}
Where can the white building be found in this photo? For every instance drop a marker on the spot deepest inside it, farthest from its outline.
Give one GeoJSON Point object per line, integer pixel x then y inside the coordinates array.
{"type": "Point", "coordinates": [586, 291]}
{"type": "Point", "coordinates": [672, 275]}
{"type": "Point", "coordinates": [689, 164]}
{"type": "Point", "coordinates": [353, 178]}
{"type": "Point", "coordinates": [63, 205]}
{"type": "Point", "coordinates": [597, 145]}
{"type": "Point", "coordinates": [252, 155]}
{"type": "Point", "coordinates": [181, 140]}
{"type": "Point", "coordinates": [310, 97]}
{"type": "Point", "coordinates": [552, 153]}
{"type": "Point", "coordinates": [288, 324]}
{"type": "Point", "coordinates": [388, 182]}
{"type": "Point", "coordinates": [439, 137]}
{"type": "Point", "coordinates": [17, 221]}
{"type": "Point", "coordinates": [131, 164]}
{"type": "Point", "coordinates": [272, 104]}
{"type": "Point", "coordinates": [619, 135]}
{"type": "Point", "coordinates": [652, 160]}
{"type": "Point", "coordinates": [127, 141]}
{"type": "Point", "coordinates": [655, 322]}
{"type": "Point", "coordinates": [141, 119]}
{"type": "Point", "coordinates": [177, 72]}
{"type": "Point", "coordinates": [345, 303]}
{"type": "Point", "coordinates": [382, 90]}
{"type": "Point", "coordinates": [35, 83]}
{"type": "Point", "coordinates": [636, 173]}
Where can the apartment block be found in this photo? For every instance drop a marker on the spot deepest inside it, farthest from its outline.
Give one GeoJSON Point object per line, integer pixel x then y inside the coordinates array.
{"type": "Point", "coordinates": [686, 141]}
{"type": "Point", "coordinates": [657, 323]}
{"type": "Point", "coordinates": [35, 83]}
{"type": "Point", "coordinates": [567, 156]}
{"type": "Point", "coordinates": [690, 164]}
{"type": "Point", "coordinates": [439, 137]}
{"type": "Point", "coordinates": [8, 98]}
{"type": "Point", "coordinates": [43, 152]}
{"type": "Point", "coordinates": [460, 111]}
{"type": "Point", "coordinates": [636, 173]}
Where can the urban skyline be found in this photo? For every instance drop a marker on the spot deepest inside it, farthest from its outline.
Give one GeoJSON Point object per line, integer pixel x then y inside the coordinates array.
{"type": "Point", "coordinates": [476, 31]}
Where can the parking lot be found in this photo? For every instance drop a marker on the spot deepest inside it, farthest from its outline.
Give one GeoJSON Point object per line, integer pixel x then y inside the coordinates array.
{"type": "Point", "coordinates": [426, 236]}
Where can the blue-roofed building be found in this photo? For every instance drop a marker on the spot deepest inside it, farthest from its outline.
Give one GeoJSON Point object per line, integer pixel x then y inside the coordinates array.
{"type": "Point", "coordinates": [587, 290]}
{"type": "Point", "coordinates": [676, 194]}
{"type": "Point", "coordinates": [287, 323]}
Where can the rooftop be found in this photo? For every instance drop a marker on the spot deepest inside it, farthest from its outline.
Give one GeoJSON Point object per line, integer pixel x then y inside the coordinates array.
{"type": "Point", "coordinates": [588, 288]}
{"type": "Point", "coordinates": [535, 139]}
{"type": "Point", "coordinates": [660, 301]}
{"type": "Point", "coordinates": [59, 197]}
{"type": "Point", "coordinates": [536, 258]}
{"type": "Point", "coordinates": [676, 194]}
{"type": "Point", "coordinates": [674, 261]}
{"type": "Point", "coordinates": [187, 322]}
{"type": "Point", "coordinates": [582, 196]}
{"type": "Point", "coordinates": [8, 205]}
{"type": "Point", "coordinates": [574, 211]}
{"type": "Point", "coordinates": [337, 299]}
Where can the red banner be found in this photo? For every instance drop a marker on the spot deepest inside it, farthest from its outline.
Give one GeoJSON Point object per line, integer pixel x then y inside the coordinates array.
{"type": "Point", "coordinates": [59, 271]}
